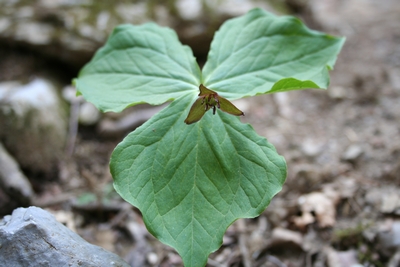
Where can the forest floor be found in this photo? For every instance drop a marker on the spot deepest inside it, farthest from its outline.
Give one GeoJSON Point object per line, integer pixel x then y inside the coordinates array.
{"type": "Point", "coordinates": [340, 205]}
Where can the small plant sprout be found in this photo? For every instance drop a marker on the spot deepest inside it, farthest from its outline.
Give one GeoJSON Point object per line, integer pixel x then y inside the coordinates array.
{"type": "Point", "coordinates": [191, 183]}
{"type": "Point", "coordinates": [209, 99]}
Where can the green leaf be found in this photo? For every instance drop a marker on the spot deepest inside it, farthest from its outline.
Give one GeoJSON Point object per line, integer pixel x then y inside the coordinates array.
{"type": "Point", "coordinates": [192, 181]}
{"type": "Point", "coordinates": [250, 54]}
{"type": "Point", "coordinates": [139, 64]}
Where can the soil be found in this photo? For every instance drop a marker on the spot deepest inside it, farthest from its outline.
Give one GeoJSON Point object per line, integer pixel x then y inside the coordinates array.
{"type": "Point", "coordinates": [342, 148]}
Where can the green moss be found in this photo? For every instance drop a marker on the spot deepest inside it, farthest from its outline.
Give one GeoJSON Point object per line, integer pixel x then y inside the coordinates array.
{"type": "Point", "coordinates": [353, 238]}
{"type": "Point", "coordinates": [352, 232]}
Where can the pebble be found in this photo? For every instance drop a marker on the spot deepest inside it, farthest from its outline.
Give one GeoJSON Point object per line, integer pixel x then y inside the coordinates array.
{"type": "Point", "coordinates": [88, 114]}
{"type": "Point", "coordinates": [337, 92]}
{"type": "Point", "coordinates": [352, 153]}
{"type": "Point", "coordinates": [311, 148]}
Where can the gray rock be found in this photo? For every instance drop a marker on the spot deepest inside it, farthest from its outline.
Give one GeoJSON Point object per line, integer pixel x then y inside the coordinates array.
{"type": "Point", "coordinates": [34, 123]}
{"type": "Point", "coordinates": [32, 237]}
{"type": "Point", "coordinates": [78, 28]}
{"type": "Point", "coordinates": [12, 180]}
{"type": "Point", "coordinates": [394, 76]}
{"type": "Point", "coordinates": [388, 238]}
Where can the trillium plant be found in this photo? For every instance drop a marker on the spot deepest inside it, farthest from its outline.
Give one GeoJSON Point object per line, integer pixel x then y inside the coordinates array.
{"type": "Point", "coordinates": [192, 172]}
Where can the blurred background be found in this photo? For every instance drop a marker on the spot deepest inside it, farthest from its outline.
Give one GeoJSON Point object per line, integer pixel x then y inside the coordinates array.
{"type": "Point", "coordinates": [340, 205]}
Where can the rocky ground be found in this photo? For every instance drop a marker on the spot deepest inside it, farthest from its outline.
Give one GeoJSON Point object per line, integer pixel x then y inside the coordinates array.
{"type": "Point", "coordinates": [340, 205]}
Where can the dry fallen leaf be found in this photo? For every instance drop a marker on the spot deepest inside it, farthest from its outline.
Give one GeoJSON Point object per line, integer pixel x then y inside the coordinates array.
{"type": "Point", "coordinates": [317, 207]}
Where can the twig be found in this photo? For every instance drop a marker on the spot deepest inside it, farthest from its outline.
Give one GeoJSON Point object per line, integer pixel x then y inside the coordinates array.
{"type": "Point", "coordinates": [275, 261]}
{"type": "Point", "coordinates": [128, 122]}
{"type": "Point", "coordinates": [53, 200]}
{"type": "Point", "coordinates": [215, 263]}
{"type": "Point", "coordinates": [242, 243]}
{"type": "Point", "coordinates": [73, 127]}
{"type": "Point", "coordinates": [354, 205]}
{"type": "Point", "coordinates": [395, 259]}
{"type": "Point", "coordinates": [126, 209]}
{"type": "Point", "coordinates": [308, 259]}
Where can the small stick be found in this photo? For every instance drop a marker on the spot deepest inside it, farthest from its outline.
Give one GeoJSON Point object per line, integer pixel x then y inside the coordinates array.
{"type": "Point", "coordinates": [242, 243]}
